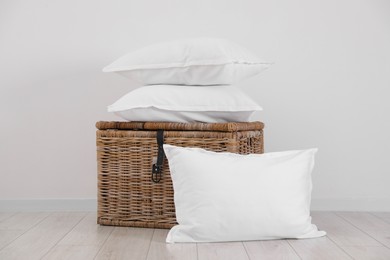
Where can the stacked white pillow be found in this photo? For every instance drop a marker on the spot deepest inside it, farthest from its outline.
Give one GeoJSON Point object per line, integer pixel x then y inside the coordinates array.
{"type": "Point", "coordinates": [191, 81]}
{"type": "Point", "coordinates": [175, 103]}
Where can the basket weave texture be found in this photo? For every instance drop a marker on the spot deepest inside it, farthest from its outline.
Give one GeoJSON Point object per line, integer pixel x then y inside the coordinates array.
{"type": "Point", "coordinates": [126, 152]}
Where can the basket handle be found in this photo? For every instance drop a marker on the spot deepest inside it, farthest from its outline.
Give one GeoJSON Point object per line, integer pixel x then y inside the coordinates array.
{"type": "Point", "coordinates": [157, 167]}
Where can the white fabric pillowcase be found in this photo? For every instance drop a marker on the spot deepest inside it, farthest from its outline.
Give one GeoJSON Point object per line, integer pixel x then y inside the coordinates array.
{"type": "Point", "coordinates": [174, 103]}
{"type": "Point", "coordinates": [230, 197]}
{"type": "Point", "coordinates": [199, 61]}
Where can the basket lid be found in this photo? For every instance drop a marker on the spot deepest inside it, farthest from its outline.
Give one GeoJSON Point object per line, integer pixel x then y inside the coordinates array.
{"type": "Point", "coordinates": [223, 127]}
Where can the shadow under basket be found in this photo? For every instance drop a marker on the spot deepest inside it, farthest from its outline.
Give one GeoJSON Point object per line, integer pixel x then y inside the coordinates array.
{"type": "Point", "coordinates": [126, 152]}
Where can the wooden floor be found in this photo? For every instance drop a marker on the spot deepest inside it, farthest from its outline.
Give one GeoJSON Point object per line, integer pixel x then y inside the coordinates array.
{"type": "Point", "coordinates": [75, 235]}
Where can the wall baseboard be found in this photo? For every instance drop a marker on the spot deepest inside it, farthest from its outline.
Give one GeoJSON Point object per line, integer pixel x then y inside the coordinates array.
{"type": "Point", "coordinates": [48, 205]}
{"type": "Point", "coordinates": [91, 205]}
{"type": "Point", "coordinates": [361, 204]}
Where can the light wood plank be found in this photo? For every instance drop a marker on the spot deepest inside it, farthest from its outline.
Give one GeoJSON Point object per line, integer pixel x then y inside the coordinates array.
{"type": "Point", "coordinates": [17, 224]}
{"type": "Point", "coordinates": [37, 241]}
{"type": "Point", "coordinates": [7, 236]}
{"type": "Point", "coordinates": [23, 221]}
{"type": "Point", "coordinates": [87, 232]}
{"type": "Point", "coordinates": [223, 251]}
{"type": "Point", "coordinates": [160, 250]}
{"type": "Point", "coordinates": [342, 232]}
{"type": "Point", "coordinates": [364, 220]}
{"type": "Point", "coordinates": [317, 249]}
{"type": "Point", "coordinates": [271, 249]}
{"type": "Point", "coordinates": [368, 252]}
{"type": "Point", "coordinates": [5, 215]}
{"type": "Point", "coordinates": [370, 224]}
{"type": "Point", "coordinates": [72, 252]}
{"type": "Point", "coordinates": [383, 215]}
{"type": "Point", "coordinates": [83, 242]}
{"type": "Point", "coordinates": [126, 243]}
{"type": "Point", "coordinates": [70, 236]}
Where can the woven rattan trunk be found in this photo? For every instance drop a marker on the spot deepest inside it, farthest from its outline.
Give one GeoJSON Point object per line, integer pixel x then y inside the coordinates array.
{"type": "Point", "coordinates": [126, 152]}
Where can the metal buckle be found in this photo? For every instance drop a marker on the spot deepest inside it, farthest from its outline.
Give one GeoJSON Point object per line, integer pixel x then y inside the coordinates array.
{"type": "Point", "coordinates": [156, 173]}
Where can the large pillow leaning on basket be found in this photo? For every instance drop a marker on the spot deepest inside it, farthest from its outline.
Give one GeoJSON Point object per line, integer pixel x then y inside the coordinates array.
{"type": "Point", "coordinates": [198, 61]}
{"type": "Point", "coordinates": [174, 103]}
{"type": "Point", "coordinates": [230, 197]}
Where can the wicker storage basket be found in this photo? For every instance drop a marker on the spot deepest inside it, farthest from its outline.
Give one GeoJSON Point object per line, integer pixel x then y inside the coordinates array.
{"type": "Point", "coordinates": [125, 152]}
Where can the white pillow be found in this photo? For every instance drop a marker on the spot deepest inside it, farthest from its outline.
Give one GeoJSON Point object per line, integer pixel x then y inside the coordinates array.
{"type": "Point", "coordinates": [200, 61]}
{"type": "Point", "coordinates": [174, 103]}
{"type": "Point", "coordinates": [230, 197]}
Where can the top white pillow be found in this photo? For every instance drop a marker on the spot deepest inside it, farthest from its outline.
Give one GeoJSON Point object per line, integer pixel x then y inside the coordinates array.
{"type": "Point", "coordinates": [200, 61]}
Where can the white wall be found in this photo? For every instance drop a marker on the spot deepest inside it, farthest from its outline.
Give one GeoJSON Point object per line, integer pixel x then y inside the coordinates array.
{"type": "Point", "coordinates": [329, 87]}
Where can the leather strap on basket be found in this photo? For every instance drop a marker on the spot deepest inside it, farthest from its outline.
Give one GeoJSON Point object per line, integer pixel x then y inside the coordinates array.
{"type": "Point", "coordinates": [157, 167]}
